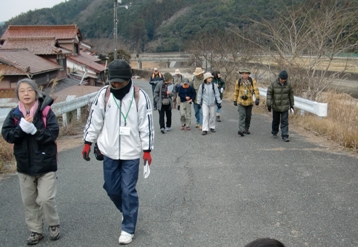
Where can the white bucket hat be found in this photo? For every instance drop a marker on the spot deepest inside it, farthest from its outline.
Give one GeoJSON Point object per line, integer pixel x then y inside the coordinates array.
{"type": "Point", "coordinates": [208, 75]}
{"type": "Point", "coordinates": [177, 72]}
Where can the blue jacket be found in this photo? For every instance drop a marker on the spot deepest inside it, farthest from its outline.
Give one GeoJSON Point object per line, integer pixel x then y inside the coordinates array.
{"type": "Point", "coordinates": [184, 92]}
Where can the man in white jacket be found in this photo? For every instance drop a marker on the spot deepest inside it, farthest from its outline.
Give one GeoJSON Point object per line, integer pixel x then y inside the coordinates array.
{"type": "Point", "coordinates": [121, 122]}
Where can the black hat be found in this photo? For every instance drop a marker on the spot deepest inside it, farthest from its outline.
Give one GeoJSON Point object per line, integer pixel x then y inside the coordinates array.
{"type": "Point", "coordinates": [119, 71]}
{"type": "Point", "coordinates": [283, 75]}
{"type": "Point", "coordinates": [186, 81]}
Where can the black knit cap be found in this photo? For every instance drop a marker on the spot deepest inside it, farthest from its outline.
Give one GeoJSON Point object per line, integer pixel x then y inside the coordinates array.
{"type": "Point", "coordinates": [283, 75]}
{"type": "Point", "coordinates": [119, 71]}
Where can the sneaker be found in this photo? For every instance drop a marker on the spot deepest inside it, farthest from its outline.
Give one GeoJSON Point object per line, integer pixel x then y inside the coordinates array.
{"type": "Point", "coordinates": [125, 238]}
{"type": "Point", "coordinates": [285, 139]}
{"type": "Point", "coordinates": [188, 128]}
{"type": "Point", "coordinates": [200, 127]}
{"type": "Point", "coordinates": [182, 127]}
{"type": "Point", "coordinates": [218, 119]}
{"type": "Point", "coordinates": [197, 125]}
{"type": "Point", "coordinates": [212, 130]}
{"type": "Point", "coordinates": [162, 130]}
{"type": "Point", "coordinates": [34, 238]}
{"type": "Point", "coordinates": [154, 108]}
{"type": "Point", "coordinates": [54, 232]}
{"type": "Point", "coordinates": [240, 133]}
{"type": "Point", "coordinates": [247, 132]}
{"type": "Point", "coordinates": [274, 136]}
{"type": "Point", "coordinates": [168, 128]}
{"type": "Point", "coordinates": [204, 133]}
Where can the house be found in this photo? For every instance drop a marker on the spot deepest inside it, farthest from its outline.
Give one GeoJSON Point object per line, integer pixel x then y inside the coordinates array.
{"type": "Point", "coordinates": [16, 64]}
{"type": "Point", "coordinates": [59, 44]}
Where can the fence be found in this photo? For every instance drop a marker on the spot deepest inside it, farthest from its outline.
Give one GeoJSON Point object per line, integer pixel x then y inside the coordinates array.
{"type": "Point", "coordinates": [72, 104]}
{"type": "Point", "coordinates": [319, 109]}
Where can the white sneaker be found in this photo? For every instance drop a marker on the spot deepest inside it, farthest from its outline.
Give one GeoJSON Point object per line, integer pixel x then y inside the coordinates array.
{"type": "Point", "coordinates": [125, 238]}
{"type": "Point", "coordinates": [168, 128]}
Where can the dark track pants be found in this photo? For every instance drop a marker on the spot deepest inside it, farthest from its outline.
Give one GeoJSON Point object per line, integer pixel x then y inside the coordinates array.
{"type": "Point", "coordinates": [278, 117]}
{"type": "Point", "coordinates": [120, 180]}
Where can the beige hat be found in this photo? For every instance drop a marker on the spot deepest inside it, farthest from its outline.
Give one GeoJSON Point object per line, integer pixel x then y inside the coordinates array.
{"type": "Point", "coordinates": [244, 70]}
{"type": "Point", "coordinates": [198, 71]}
{"type": "Point", "coordinates": [208, 75]}
{"type": "Point", "coordinates": [155, 69]}
{"type": "Point", "coordinates": [177, 72]}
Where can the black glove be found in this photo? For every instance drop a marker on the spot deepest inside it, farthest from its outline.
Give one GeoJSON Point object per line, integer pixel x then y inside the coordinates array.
{"type": "Point", "coordinates": [235, 103]}
{"type": "Point", "coordinates": [219, 106]}
{"type": "Point", "coordinates": [269, 108]}
{"type": "Point", "coordinates": [199, 106]}
{"type": "Point", "coordinates": [257, 101]}
{"type": "Point", "coordinates": [293, 109]}
{"type": "Point", "coordinates": [178, 107]}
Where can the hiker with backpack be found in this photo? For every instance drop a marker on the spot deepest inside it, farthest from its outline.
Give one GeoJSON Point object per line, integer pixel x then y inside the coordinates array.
{"type": "Point", "coordinates": [123, 128]}
{"type": "Point", "coordinates": [208, 99]}
{"type": "Point", "coordinates": [154, 79]}
{"type": "Point", "coordinates": [197, 81]}
{"type": "Point", "coordinates": [177, 81]}
{"type": "Point", "coordinates": [33, 128]}
{"type": "Point", "coordinates": [187, 95]}
{"type": "Point", "coordinates": [219, 82]}
{"type": "Point", "coordinates": [245, 89]}
{"type": "Point", "coordinates": [163, 96]}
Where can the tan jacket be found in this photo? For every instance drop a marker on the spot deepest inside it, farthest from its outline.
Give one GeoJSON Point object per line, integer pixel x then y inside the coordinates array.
{"type": "Point", "coordinates": [248, 89]}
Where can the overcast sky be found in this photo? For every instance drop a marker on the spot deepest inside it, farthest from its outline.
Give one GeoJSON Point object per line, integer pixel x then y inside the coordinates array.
{"type": "Point", "coordinates": [12, 8]}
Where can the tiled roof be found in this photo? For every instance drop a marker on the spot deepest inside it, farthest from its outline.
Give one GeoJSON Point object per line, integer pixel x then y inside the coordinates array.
{"type": "Point", "coordinates": [60, 32]}
{"type": "Point", "coordinates": [81, 59]}
{"type": "Point", "coordinates": [37, 45]}
{"type": "Point", "coordinates": [22, 61]}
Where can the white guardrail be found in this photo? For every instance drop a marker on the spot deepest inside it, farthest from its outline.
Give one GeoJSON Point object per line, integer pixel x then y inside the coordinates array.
{"type": "Point", "coordinates": [61, 108]}
{"type": "Point", "coordinates": [319, 109]}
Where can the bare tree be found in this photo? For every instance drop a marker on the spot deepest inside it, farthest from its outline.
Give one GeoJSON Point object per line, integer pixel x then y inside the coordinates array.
{"type": "Point", "coordinates": [307, 40]}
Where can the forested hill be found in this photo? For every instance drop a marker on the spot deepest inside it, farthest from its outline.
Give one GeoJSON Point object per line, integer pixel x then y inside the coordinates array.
{"type": "Point", "coordinates": [159, 25]}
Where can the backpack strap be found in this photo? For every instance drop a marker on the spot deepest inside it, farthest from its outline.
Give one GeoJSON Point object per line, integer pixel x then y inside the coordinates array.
{"type": "Point", "coordinates": [45, 113]}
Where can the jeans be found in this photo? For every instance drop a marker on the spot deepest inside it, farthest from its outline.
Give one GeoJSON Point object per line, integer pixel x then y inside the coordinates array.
{"type": "Point", "coordinates": [120, 180]}
{"type": "Point", "coordinates": [165, 110]}
{"type": "Point", "coordinates": [198, 114]}
{"type": "Point", "coordinates": [154, 102]}
{"type": "Point", "coordinates": [278, 117]}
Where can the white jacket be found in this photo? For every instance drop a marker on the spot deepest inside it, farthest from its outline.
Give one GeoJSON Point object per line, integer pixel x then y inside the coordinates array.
{"type": "Point", "coordinates": [103, 125]}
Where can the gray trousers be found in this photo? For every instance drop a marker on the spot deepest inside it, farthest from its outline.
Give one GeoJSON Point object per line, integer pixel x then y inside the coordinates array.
{"type": "Point", "coordinates": [245, 113]}
{"type": "Point", "coordinates": [38, 196]}
{"type": "Point", "coordinates": [185, 113]}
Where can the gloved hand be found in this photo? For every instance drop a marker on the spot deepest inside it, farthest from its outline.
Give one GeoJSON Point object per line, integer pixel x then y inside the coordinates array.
{"type": "Point", "coordinates": [27, 127]}
{"type": "Point", "coordinates": [269, 108]}
{"type": "Point", "coordinates": [219, 105]}
{"type": "Point", "coordinates": [85, 151]}
{"type": "Point", "coordinates": [257, 101]}
{"type": "Point", "coordinates": [292, 108]}
{"type": "Point", "coordinates": [235, 103]}
{"type": "Point", "coordinates": [221, 90]}
{"type": "Point", "coordinates": [147, 156]}
{"type": "Point", "coordinates": [178, 107]}
{"type": "Point", "coordinates": [199, 106]}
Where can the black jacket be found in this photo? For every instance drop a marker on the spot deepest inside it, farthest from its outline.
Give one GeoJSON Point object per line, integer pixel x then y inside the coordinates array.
{"type": "Point", "coordinates": [35, 154]}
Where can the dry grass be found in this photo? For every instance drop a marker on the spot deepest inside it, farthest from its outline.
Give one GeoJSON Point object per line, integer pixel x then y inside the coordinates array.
{"type": "Point", "coordinates": [341, 124]}
{"type": "Point", "coordinates": [7, 159]}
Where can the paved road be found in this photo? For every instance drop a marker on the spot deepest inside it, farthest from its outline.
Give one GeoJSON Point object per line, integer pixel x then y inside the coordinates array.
{"type": "Point", "coordinates": [214, 190]}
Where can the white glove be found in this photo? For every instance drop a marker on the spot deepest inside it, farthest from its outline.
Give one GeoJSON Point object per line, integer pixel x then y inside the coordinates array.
{"type": "Point", "coordinates": [221, 90]}
{"type": "Point", "coordinates": [27, 127]}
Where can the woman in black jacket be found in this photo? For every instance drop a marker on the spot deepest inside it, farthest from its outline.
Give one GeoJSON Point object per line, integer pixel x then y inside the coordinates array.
{"type": "Point", "coordinates": [33, 128]}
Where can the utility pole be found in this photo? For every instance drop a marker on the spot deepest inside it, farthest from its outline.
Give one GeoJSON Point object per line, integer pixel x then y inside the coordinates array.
{"type": "Point", "coordinates": [115, 24]}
